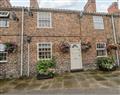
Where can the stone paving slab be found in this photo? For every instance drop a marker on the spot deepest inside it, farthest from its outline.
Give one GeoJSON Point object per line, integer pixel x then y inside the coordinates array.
{"type": "Point", "coordinates": [100, 91]}
{"type": "Point", "coordinates": [78, 80]}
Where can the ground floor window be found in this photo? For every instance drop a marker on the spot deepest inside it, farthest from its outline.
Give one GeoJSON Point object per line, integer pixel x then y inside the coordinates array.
{"type": "Point", "coordinates": [101, 49]}
{"type": "Point", "coordinates": [44, 51]}
{"type": "Point", "coordinates": [4, 22]}
{"type": "Point", "coordinates": [3, 54]}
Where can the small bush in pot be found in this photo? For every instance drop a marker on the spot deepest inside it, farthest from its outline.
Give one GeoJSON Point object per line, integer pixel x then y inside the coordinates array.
{"type": "Point", "coordinates": [85, 46]}
{"type": "Point", "coordinates": [10, 47]}
{"type": "Point", "coordinates": [64, 47]}
{"type": "Point", "coordinates": [46, 69]}
{"type": "Point", "coordinates": [106, 63]}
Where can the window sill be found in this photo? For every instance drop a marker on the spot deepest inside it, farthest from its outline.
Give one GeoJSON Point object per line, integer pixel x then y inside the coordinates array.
{"type": "Point", "coordinates": [44, 59]}
{"type": "Point", "coordinates": [44, 27]}
{"type": "Point", "coordinates": [99, 29]}
{"type": "Point", "coordinates": [101, 56]}
{"type": "Point", "coordinates": [4, 27]}
{"type": "Point", "coordinates": [3, 62]}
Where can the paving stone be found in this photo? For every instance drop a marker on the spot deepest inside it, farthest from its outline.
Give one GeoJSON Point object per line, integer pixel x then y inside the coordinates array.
{"type": "Point", "coordinates": [79, 80]}
{"type": "Point", "coordinates": [45, 86]}
{"type": "Point", "coordinates": [70, 83]}
{"type": "Point", "coordinates": [108, 83]}
{"type": "Point", "coordinates": [56, 85]}
{"type": "Point", "coordinates": [99, 78]}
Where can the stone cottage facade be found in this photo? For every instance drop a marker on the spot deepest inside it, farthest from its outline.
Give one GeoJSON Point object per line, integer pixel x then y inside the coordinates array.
{"type": "Point", "coordinates": [40, 33]}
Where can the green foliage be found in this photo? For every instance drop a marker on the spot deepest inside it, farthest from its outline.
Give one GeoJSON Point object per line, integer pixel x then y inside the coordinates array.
{"type": "Point", "coordinates": [46, 67]}
{"type": "Point", "coordinates": [105, 63]}
{"type": "Point", "coordinates": [10, 47]}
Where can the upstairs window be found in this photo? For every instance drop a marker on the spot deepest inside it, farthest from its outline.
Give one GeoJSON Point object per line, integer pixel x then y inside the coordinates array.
{"type": "Point", "coordinates": [101, 49]}
{"type": "Point", "coordinates": [4, 14]}
{"type": "Point", "coordinates": [98, 22]}
{"type": "Point", "coordinates": [44, 20]}
{"type": "Point", "coordinates": [4, 22]}
{"type": "Point", "coordinates": [3, 53]}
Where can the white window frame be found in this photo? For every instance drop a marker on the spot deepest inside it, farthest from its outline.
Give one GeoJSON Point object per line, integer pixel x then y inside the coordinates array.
{"type": "Point", "coordinates": [2, 50]}
{"type": "Point", "coordinates": [2, 20]}
{"type": "Point", "coordinates": [38, 50]}
{"type": "Point", "coordinates": [38, 20]}
{"type": "Point", "coordinates": [3, 61]}
{"type": "Point", "coordinates": [98, 21]}
{"type": "Point", "coordinates": [97, 49]}
{"type": "Point", "coordinates": [2, 15]}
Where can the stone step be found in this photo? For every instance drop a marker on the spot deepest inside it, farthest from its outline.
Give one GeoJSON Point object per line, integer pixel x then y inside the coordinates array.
{"type": "Point", "coordinates": [1, 77]}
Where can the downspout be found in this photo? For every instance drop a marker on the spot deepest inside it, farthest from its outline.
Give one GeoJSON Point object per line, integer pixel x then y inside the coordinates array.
{"type": "Point", "coordinates": [115, 39]}
{"type": "Point", "coordinates": [80, 22]}
{"type": "Point", "coordinates": [21, 72]}
{"type": "Point", "coordinates": [28, 59]}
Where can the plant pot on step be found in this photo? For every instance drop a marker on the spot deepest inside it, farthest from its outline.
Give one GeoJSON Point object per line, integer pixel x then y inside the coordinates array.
{"type": "Point", "coordinates": [43, 76]}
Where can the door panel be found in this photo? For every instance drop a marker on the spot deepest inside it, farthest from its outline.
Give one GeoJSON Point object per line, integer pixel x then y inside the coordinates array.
{"type": "Point", "coordinates": [76, 59]}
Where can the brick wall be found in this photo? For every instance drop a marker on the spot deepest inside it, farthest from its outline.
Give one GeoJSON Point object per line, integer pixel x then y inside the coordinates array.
{"type": "Point", "coordinates": [90, 6]}
{"type": "Point", "coordinates": [66, 26]}
{"type": "Point", "coordinates": [5, 3]}
{"type": "Point", "coordinates": [113, 8]}
{"type": "Point", "coordinates": [34, 4]}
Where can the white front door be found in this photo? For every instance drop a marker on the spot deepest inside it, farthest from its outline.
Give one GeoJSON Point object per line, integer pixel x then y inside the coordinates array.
{"type": "Point", "coordinates": [76, 57]}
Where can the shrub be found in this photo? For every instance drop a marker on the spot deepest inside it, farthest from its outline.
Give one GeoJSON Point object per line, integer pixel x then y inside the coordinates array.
{"type": "Point", "coordinates": [46, 67]}
{"type": "Point", "coordinates": [10, 47]}
{"type": "Point", "coordinates": [106, 63]}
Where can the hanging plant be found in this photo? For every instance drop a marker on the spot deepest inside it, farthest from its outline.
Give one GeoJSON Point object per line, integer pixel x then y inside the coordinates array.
{"type": "Point", "coordinates": [111, 47]}
{"type": "Point", "coordinates": [10, 47]}
{"type": "Point", "coordinates": [119, 45]}
{"type": "Point", "coordinates": [86, 46]}
{"type": "Point", "coordinates": [64, 47]}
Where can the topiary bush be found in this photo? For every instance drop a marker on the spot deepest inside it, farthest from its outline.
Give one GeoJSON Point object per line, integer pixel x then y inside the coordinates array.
{"type": "Point", "coordinates": [46, 68]}
{"type": "Point", "coordinates": [106, 63]}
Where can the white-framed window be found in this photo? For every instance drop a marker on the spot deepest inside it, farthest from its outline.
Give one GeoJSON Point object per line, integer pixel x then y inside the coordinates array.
{"type": "Point", "coordinates": [4, 13]}
{"type": "Point", "coordinates": [4, 22]}
{"type": "Point", "coordinates": [44, 51]}
{"type": "Point", "coordinates": [101, 49]}
{"type": "Point", "coordinates": [44, 20]}
{"type": "Point", "coordinates": [98, 22]}
{"type": "Point", "coordinates": [3, 56]}
{"type": "Point", "coordinates": [3, 53]}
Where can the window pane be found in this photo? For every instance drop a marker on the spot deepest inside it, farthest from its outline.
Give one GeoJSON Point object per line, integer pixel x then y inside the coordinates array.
{"type": "Point", "coordinates": [98, 22]}
{"type": "Point", "coordinates": [101, 45]}
{"type": "Point", "coordinates": [44, 51]}
{"type": "Point", "coordinates": [3, 56]}
{"type": "Point", "coordinates": [3, 22]}
{"type": "Point", "coordinates": [101, 52]}
{"type": "Point", "coordinates": [101, 49]}
{"type": "Point", "coordinates": [4, 14]}
{"type": "Point", "coordinates": [44, 19]}
{"type": "Point", "coordinates": [2, 47]}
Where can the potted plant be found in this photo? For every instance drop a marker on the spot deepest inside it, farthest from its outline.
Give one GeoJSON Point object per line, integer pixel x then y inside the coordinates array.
{"type": "Point", "coordinates": [86, 46]}
{"type": "Point", "coordinates": [111, 47]}
{"type": "Point", "coordinates": [106, 64]}
{"type": "Point", "coordinates": [65, 47]}
{"type": "Point", "coordinates": [45, 69]}
{"type": "Point", "coordinates": [10, 47]}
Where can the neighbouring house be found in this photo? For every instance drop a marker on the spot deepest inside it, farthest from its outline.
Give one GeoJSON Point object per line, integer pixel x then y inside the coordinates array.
{"type": "Point", "coordinates": [74, 38]}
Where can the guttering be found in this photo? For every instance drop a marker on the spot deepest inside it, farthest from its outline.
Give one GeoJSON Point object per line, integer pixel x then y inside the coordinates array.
{"type": "Point", "coordinates": [115, 38]}
{"type": "Point", "coordinates": [28, 73]}
{"type": "Point", "coordinates": [22, 32]}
